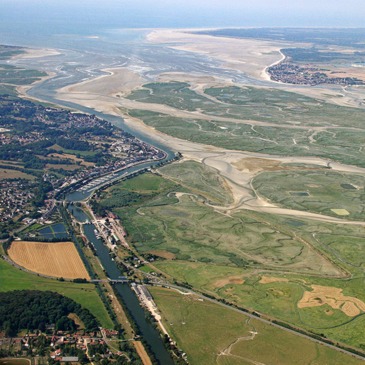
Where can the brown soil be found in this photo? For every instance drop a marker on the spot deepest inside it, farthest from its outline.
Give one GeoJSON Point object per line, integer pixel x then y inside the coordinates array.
{"type": "Point", "coordinates": [67, 156]}
{"type": "Point", "coordinates": [334, 297]}
{"type": "Point", "coordinates": [77, 320]}
{"type": "Point", "coordinates": [230, 280]}
{"type": "Point", "coordinates": [164, 254]}
{"type": "Point", "coordinates": [269, 280]}
{"type": "Point", "coordinates": [253, 164]}
{"type": "Point", "coordinates": [63, 166]}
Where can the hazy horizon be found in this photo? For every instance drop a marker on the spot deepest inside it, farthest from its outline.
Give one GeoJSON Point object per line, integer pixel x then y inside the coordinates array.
{"type": "Point", "coordinates": [58, 16]}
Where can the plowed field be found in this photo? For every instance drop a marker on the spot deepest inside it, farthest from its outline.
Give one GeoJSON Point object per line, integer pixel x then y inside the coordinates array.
{"type": "Point", "coordinates": [59, 259]}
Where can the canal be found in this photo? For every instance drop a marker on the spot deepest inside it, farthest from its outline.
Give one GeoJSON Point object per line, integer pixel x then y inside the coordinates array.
{"type": "Point", "coordinates": [149, 333]}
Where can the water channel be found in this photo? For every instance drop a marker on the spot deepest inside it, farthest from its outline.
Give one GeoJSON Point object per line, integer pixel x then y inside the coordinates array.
{"type": "Point", "coordinates": [150, 334]}
{"type": "Point", "coordinates": [47, 91]}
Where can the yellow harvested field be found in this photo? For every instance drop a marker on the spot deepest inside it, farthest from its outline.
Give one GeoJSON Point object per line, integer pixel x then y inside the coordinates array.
{"type": "Point", "coordinates": [340, 212]}
{"type": "Point", "coordinates": [229, 280]}
{"type": "Point", "coordinates": [269, 280]}
{"type": "Point", "coordinates": [321, 295]}
{"type": "Point", "coordinates": [58, 259]}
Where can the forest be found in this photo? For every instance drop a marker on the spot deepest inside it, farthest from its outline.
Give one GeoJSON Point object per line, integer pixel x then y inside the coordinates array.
{"type": "Point", "coordinates": [35, 310]}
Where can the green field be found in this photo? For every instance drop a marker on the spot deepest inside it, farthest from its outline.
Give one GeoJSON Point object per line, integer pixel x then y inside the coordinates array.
{"type": "Point", "coordinates": [18, 76]}
{"type": "Point", "coordinates": [147, 188]}
{"type": "Point", "coordinates": [228, 255]}
{"type": "Point", "coordinates": [290, 116]}
{"type": "Point", "coordinates": [84, 294]}
{"type": "Point", "coordinates": [205, 330]}
{"type": "Point", "coordinates": [200, 179]}
{"type": "Point", "coordinates": [343, 244]}
{"type": "Point", "coordinates": [250, 103]}
{"type": "Point", "coordinates": [189, 229]}
{"type": "Point", "coordinates": [72, 152]}
{"type": "Point", "coordinates": [322, 192]}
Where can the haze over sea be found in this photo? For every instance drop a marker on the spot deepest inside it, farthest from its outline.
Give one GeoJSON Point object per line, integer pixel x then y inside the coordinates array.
{"type": "Point", "coordinates": [44, 22]}
{"type": "Point", "coordinates": [93, 34]}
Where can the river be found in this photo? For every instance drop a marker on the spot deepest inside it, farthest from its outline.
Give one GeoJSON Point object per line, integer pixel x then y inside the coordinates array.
{"type": "Point", "coordinates": [83, 58]}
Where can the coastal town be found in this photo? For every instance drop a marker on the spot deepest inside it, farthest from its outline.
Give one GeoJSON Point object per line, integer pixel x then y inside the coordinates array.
{"type": "Point", "coordinates": [45, 150]}
{"type": "Point", "coordinates": [290, 73]}
{"type": "Point", "coordinates": [45, 154]}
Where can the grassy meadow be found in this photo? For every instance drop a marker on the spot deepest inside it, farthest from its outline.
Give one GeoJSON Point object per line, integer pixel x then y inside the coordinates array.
{"type": "Point", "coordinates": [276, 121]}
{"type": "Point", "coordinates": [258, 261]}
{"type": "Point", "coordinates": [211, 334]}
{"type": "Point", "coordinates": [341, 195]}
{"type": "Point", "coordinates": [84, 294]}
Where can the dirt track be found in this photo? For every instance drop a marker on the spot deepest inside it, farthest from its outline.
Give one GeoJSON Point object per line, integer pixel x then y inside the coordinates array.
{"type": "Point", "coordinates": [142, 353]}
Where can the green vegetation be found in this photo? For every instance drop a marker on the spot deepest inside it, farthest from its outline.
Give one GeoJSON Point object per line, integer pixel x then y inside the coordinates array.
{"type": "Point", "coordinates": [325, 192]}
{"type": "Point", "coordinates": [205, 330]}
{"type": "Point", "coordinates": [315, 55]}
{"type": "Point", "coordinates": [147, 188]}
{"type": "Point", "coordinates": [344, 244]}
{"type": "Point", "coordinates": [11, 76]}
{"type": "Point", "coordinates": [190, 230]}
{"type": "Point", "coordinates": [9, 51]}
{"type": "Point", "coordinates": [284, 121]}
{"type": "Point", "coordinates": [228, 255]}
{"type": "Point", "coordinates": [75, 152]}
{"type": "Point", "coordinates": [199, 179]}
{"type": "Point", "coordinates": [250, 103]}
{"type": "Point", "coordinates": [18, 76]}
{"type": "Point", "coordinates": [7, 90]}
{"type": "Point", "coordinates": [34, 309]}
{"type": "Point", "coordinates": [175, 94]}
{"type": "Point", "coordinates": [84, 294]}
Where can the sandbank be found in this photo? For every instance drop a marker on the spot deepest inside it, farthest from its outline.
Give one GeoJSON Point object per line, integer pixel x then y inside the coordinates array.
{"type": "Point", "coordinates": [36, 53]}
{"type": "Point", "coordinates": [117, 82]}
{"type": "Point", "coordinates": [250, 56]}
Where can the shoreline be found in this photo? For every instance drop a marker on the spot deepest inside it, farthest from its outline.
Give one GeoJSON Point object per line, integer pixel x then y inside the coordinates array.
{"type": "Point", "coordinates": [105, 94]}
{"type": "Point", "coordinates": [265, 73]}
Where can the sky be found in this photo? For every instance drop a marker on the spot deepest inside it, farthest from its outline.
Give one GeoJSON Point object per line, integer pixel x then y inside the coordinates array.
{"type": "Point", "coordinates": [185, 13]}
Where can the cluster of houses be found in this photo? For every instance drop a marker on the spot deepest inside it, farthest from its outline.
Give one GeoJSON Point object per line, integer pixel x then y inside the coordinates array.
{"type": "Point", "coordinates": [7, 138]}
{"type": "Point", "coordinates": [307, 75]}
{"type": "Point", "coordinates": [57, 344]}
{"type": "Point", "coordinates": [15, 196]}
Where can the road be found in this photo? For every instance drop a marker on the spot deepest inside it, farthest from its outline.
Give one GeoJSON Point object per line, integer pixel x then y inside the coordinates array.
{"type": "Point", "coordinates": [202, 296]}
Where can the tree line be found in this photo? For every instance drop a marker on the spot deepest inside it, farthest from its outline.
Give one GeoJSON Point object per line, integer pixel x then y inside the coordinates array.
{"type": "Point", "coordinates": [35, 310]}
